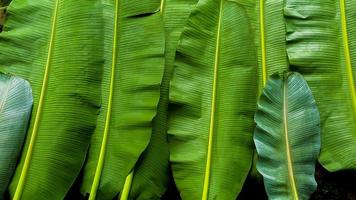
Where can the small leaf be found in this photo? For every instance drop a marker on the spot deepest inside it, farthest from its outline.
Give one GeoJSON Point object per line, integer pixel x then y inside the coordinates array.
{"type": "Point", "coordinates": [15, 109]}
{"type": "Point", "coordinates": [287, 137]}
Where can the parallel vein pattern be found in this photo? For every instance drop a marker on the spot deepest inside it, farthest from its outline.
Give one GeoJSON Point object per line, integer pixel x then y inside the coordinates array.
{"type": "Point", "coordinates": [134, 46]}
{"type": "Point", "coordinates": [210, 116]}
{"type": "Point", "coordinates": [322, 52]}
{"type": "Point", "coordinates": [268, 28]}
{"type": "Point", "coordinates": [152, 171]}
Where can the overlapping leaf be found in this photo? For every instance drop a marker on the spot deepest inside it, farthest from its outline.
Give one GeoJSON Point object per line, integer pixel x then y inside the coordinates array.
{"type": "Point", "coordinates": [321, 46]}
{"type": "Point", "coordinates": [287, 137]}
{"type": "Point", "coordinates": [152, 171]}
{"type": "Point", "coordinates": [268, 28]}
{"type": "Point", "coordinates": [15, 109]}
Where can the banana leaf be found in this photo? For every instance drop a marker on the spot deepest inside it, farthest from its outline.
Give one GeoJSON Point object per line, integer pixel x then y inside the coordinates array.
{"type": "Point", "coordinates": [15, 109]}
{"type": "Point", "coordinates": [152, 171]}
{"type": "Point", "coordinates": [287, 137]}
{"type": "Point", "coordinates": [320, 37]}
{"type": "Point", "coordinates": [58, 49]}
{"type": "Point", "coordinates": [213, 93]}
{"type": "Point", "coordinates": [133, 68]}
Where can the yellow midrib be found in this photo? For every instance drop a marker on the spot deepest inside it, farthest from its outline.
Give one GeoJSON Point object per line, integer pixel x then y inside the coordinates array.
{"type": "Point", "coordinates": [285, 128]}
{"type": "Point", "coordinates": [163, 2]}
{"type": "Point", "coordinates": [127, 187]}
{"type": "Point", "coordinates": [263, 44]}
{"type": "Point", "coordinates": [99, 167]}
{"type": "Point", "coordinates": [128, 181]}
{"type": "Point", "coordinates": [212, 111]}
{"type": "Point", "coordinates": [347, 55]}
{"type": "Point", "coordinates": [24, 172]}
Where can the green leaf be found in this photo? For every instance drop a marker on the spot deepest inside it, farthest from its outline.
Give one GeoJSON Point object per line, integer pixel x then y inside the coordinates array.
{"type": "Point", "coordinates": [15, 109]}
{"type": "Point", "coordinates": [318, 48]}
{"type": "Point", "coordinates": [133, 68]}
{"type": "Point", "coordinates": [213, 92]}
{"type": "Point", "coordinates": [58, 49]}
{"type": "Point", "coordinates": [287, 137]}
{"type": "Point", "coordinates": [152, 170]}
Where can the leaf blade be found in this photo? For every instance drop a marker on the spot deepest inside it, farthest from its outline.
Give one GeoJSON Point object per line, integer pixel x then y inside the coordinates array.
{"type": "Point", "coordinates": [72, 98]}
{"type": "Point", "coordinates": [191, 96]}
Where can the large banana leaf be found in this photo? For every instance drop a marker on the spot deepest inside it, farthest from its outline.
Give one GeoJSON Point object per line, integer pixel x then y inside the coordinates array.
{"type": "Point", "coordinates": [15, 109]}
{"type": "Point", "coordinates": [318, 48]}
{"type": "Point", "coordinates": [58, 49]}
{"type": "Point", "coordinates": [134, 61]}
{"type": "Point", "coordinates": [213, 92]}
{"type": "Point", "coordinates": [287, 137]}
{"type": "Point", "coordinates": [152, 171]}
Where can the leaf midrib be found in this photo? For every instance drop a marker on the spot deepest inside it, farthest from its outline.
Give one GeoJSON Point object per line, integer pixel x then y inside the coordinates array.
{"type": "Point", "coordinates": [212, 110]}
{"type": "Point", "coordinates": [163, 3]}
{"type": "Point", "coordinates": [99, 167]}
{"type": "Point", "coordinates": [25, 168]}
{"type": "Point", "coordinates": [263, 44]}
{"type": "Point", "coordinates": [347, 55]}
{"type": "Point", "coordinates": [286, 137]}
